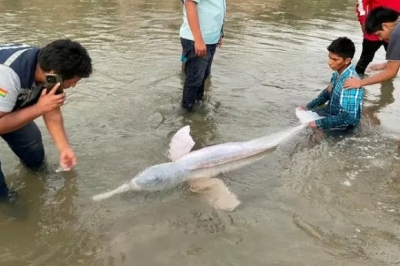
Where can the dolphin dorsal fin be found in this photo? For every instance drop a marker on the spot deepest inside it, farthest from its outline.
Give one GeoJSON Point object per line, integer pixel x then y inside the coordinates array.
{"type": "Point", "coordinates": [181, 144]}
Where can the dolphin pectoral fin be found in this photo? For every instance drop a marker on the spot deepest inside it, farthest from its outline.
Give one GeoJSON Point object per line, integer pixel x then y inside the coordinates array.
{"type": "Point", "coordinates": [215, 192]}
{"type": "Point", "coordinates": [181, 144]}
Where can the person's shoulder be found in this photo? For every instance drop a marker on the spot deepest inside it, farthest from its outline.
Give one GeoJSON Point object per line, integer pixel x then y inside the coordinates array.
{"type": "Point", "coordinates": [397, 28]}
{"type": "Point", "coordinates": [9, 76]}
{"type": "Point", "coordinates": [16, 45]}
{"type": "Point", "coordinates": [10, 48]}
{"type": "Point", "coordinates": [7, 71]}
{"type": "Point", "coordinates": [351, 72]}
{"type": "Point", "coordinates": [396, 32]}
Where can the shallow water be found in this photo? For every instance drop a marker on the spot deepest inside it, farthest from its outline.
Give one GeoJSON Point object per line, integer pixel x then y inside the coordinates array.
{"type": "Point", "coordinates": [333, 203]}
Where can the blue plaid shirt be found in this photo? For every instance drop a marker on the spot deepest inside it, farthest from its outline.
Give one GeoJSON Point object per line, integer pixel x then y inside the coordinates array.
{"type": "Point", "coordinates": [344, 106]}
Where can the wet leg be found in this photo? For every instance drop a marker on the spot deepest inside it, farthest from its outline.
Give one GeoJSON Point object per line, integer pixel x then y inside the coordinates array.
{"type": "Point", "coordinates": [210, 55]}
{"type": "Point", "coordinates": [27, 144]}
{"type": "Point", "coordinates": [195, 70]}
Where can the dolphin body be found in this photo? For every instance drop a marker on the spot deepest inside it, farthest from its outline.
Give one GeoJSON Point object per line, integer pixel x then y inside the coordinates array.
{"type": "Point", "coordinates": [197, 166]}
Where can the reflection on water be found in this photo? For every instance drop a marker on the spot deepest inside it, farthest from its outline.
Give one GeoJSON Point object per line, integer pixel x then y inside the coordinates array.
{"type": "Point", "coordinates": [332, 203]}
{"type": "Point", "coordinates": [374, 103]}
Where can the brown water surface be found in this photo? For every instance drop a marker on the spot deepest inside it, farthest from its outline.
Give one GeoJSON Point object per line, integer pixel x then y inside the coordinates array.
{"type": "Point", "coordinates": [296, 209]}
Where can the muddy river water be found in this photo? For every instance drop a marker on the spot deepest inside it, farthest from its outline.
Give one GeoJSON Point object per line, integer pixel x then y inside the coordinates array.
{"type": "Point", "coordinates": [333, 203]}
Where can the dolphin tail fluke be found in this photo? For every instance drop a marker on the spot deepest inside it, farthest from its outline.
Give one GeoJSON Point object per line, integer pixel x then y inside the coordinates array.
{"type": "Point", "coordinates": [121, 189]}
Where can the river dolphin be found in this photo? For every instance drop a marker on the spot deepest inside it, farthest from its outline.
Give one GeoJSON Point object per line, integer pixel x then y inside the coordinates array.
{"type": "Point", "coordinates": [200, 166]}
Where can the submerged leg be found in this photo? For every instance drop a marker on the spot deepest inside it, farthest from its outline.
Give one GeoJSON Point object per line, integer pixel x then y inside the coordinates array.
{"type": "Point", "coordinates": [215, 192]}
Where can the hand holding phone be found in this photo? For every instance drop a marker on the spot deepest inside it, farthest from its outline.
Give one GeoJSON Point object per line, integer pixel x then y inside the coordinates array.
{"type": "Point", "coordinates": [48, 101]}
{"type": "Point", "coordinates": [52, 80]}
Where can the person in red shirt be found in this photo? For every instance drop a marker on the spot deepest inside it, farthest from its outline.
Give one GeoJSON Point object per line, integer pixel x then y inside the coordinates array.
{"type": "Point", "coordinates": [371, 43]}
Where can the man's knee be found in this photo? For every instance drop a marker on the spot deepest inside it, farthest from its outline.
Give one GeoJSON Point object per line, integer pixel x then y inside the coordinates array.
{"type": "Point", "coordinates": [195, 70]}
{"type": "Point", "coordinates": [34, 156]}
{"type": "Point", "coordinates": [27, 144]}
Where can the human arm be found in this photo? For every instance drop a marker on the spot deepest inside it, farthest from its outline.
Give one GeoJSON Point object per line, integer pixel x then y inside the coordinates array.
{"type": "Point", "coordinates": [9, 92]}
{"type": "Point", "coordinates": [193, 20]}
{"type": "Point", "coordinates": [391, 69]}
{"type": "Point", "coordinates": [222, 36]}
{"type": "Point", "coordinates": [10, 122]}
{"type": "Point", "coordinates": [377, 67]}
{"type": "Point", "coordinates": [350, 102]}
{"type": "Point", "coordinates": [55, 125]}
{"type": "Point", "coordinates": [361, 10]}
{"type": "Point", "coordinates": [389, 72]}
{"type": "Point", "coordinates": [322, 98]}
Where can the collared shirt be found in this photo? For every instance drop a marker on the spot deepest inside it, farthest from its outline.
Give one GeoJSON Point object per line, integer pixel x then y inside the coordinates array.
{"type": "Point", "coordinates": [211, 15]}
{"type": "Point", "coordinates": [345, 105]}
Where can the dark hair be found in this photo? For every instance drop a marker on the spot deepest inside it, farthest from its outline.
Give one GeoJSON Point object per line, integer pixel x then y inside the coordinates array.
{"type": "Point", "coordinates": [343, 47]}
{"type": "Point", "coordinates": [379, 15]}
{"type": "Point", "coordinates": [67, 58]}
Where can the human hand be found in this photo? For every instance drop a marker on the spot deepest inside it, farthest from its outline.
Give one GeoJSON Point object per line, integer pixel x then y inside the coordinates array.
{"type": "Point", "coordinates": [318, 135]}
{"type": "Point", "coordinates": [312, 124]}
{"type": "Point", "coordinates": [302, 108]}
{"type": "Point", "coordinates": [50, 101]}
{"type": "Point", "coordinates": [363, 28]}
{"type": "Point", "coordinates": [200, 48]}
{"type": "Point", "coordinates": [219, 45]}
{"type": "Point", "coordinates": [352, 83]}
{"type": "Point", "coordinates": [376, 67]}
{"type": "Point", "coordinates": [67, 159]}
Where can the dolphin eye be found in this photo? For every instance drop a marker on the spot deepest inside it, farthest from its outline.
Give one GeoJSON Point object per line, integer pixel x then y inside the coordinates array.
{"type": "Point", "coordinates": [157, 179]}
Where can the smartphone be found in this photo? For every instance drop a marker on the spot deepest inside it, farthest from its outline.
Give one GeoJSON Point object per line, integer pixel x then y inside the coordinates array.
{"type": "Point", "coordinates": [52, 80]}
